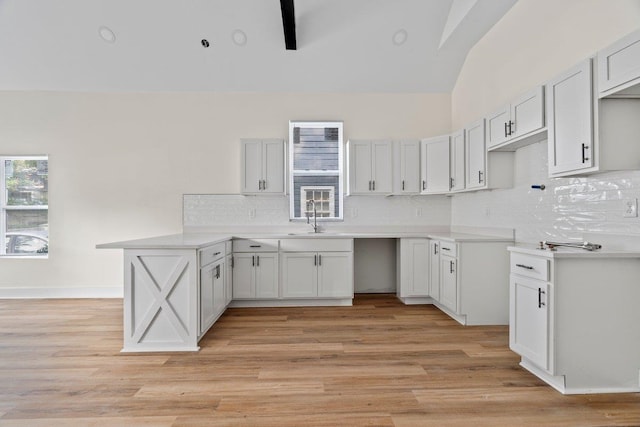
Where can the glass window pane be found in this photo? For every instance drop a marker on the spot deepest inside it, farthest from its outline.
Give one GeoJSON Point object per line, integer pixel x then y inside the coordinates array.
{"type": "Point", "coordinates": [27, 232]}
{"type": "Point", "coordinates": [27, 182]}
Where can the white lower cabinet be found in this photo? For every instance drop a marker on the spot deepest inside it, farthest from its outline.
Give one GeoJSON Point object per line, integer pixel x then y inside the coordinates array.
{"type": "Point", "coordinates": [412, 268]}
{"type": "Point", "coordinates": [469, 280]}
{"type": "Point", "coordinates": [449, 282]}
{"type": "Point", "coordinates": [573, 318]}
{"type": "Point", "coordinates": [212, 294]}
{"type": "Point", "coordinates": [315, 273]}
{"type": "Point", "coordinates": [255, 275]}
{"type": "Point", "coordinates": [434, 269]}
{"type": "Point", "coordinates": [529, 312]}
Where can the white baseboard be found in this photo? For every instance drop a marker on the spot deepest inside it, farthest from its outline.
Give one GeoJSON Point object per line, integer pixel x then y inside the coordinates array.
{"type": "Point", "coordinates": [27, 293]}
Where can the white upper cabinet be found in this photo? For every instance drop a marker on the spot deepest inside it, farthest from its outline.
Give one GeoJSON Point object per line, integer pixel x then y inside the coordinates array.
{"type": "Point", "coordinates": [476, 162]}
{"type": "Point", "coordinates": [406, 167]}
{"type": "Point", "coordinates": [569, 113]}
{"type": "Point", "coordinates": [456, 161]}
{"type": "Point", "coordinates": [435, 165]}
{"type": "Point", "coordinates": [619, 67]}
{"type": "Point", "coordinates": [262, 166]}
{"type": "Point", "coordinates": [370, 167]}
{"type": "Point", "coordinates": [519, 123]}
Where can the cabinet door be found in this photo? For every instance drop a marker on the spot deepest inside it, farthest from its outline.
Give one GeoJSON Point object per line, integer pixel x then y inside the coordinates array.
{"type": "Point", "coordinates": [570, 121]}
{"type": "Point", "coordinates": [449, 283]}
{"type": "Point", "coordinates": [266, 275]}
{"type": "Point", "coordinates": [251, 165]}
{"type": "Point", "coordinates": [414, 267]}
{"type": "Point", "coordinates": [498, 126]}
{"type": "Point", "coordinates": [476, 155]}
{"type": "Point", "coordinates": [434, 269]}
{"type": "Point", "coordinates": [619, 64]}
{"type": "Point", "coordinates": [435, 165]}
{"type": "Point", "coordinates": [529, 319]}
{"type": "Point", "coordinates": [228, 279]}
{"type": "Point", "coordinates": [381, 172]}
{"type": "Point", "coordinates": [360, 167]}
{"type": "Point", "coordinates": [408, 168]}
{"type": "Point", "coordinates": [527, 113]}
{"type": "Point", "coordinates": [244, 272]}
{"type": "Point", "coordinates": [299, 274]}
{"type": "Point", "coordinates": [457, 161]}
{"type": "Point", "coordinates": [219, 298]}
{"type": "Point", "coordinates": [207, 295]}
{"type": "Point", "coordinates": [273, 166]}
{"type": "Point", "coordinates": [335, 274]}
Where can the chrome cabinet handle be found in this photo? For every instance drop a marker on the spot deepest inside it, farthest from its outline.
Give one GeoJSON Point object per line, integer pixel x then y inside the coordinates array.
{"type": "Point", "coordinates": [320, 260]}
{"type": "Point", "coordinates": [217, 253]}
{"type": "Point", "coordinates": [258, 261]}
{"type": "Point", "coordinates": [435, 249]}
{"type": "Point", "coordinates": [315, 260]}
{"type": "Point", "coordinates": [253, 260]}
{"type": "Point", "coordinates": [528, 267]}
{"type": "Point", "coordinates": [540, 293]}
{"type": "Point", "coordinates": [218, 271]}
{"type": "Point", "coordinates": [444, 248]}
{"type": "Point", "coordinates": [511, 126]}
{"type": "Point", "coordinates": [450, 266]}
{"type": "Point", "coordinates": [506, 134]}
{"type": "Point", "coordinates": [479, 177]}
{"type": "Point", "coordinates": [374, 185]}
{"type": "Point", "coordinates": [451, 183]}
{"type": "Point", "coordinates": [424, 184]}
{"type": "Point", "coordinates": [255, 246]}
{"type": "Point", "coordinates": [403, 185]}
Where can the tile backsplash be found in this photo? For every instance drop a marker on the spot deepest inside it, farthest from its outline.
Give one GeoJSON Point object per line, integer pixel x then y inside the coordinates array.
{"type": "Point", "coordinates": [208, 211]}
{"type": "Point", "coordinates": [568, 208]}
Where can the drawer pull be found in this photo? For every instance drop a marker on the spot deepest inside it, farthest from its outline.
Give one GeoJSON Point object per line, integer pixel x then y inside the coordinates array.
{"type": "Point", "coordinates": [444, 248]}
{"type": "Point", "coordinates": [217, 253]}
{"type": "Point", "coordinates": [255, 246]}
{"type": "Point", "coordinates": [528, 267]}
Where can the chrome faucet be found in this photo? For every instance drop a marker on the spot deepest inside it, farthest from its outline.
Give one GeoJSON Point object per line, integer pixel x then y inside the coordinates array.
{"type": "Point", "coordinates": [312, 203]}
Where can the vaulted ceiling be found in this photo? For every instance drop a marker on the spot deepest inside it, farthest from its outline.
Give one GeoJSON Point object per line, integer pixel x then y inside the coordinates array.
{"type": "Point", "coordinates": [158, 45]}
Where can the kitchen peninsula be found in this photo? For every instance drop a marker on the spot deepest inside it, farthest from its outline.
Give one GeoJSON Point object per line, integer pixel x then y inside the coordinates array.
{"type": "Point", "coordinates": [176, 286]}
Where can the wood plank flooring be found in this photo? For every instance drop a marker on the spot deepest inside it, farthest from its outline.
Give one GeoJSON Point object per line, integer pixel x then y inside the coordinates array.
{"type": "Point", "coordinates": [378, 363]}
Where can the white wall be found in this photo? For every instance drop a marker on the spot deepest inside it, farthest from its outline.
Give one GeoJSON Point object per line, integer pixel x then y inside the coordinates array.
{"type": "Point", "coordinates": [120, 162]}
{"type": "Point", "coordinates": [536, 40]}
{"type": "Point", "coordinates": [532, 43]}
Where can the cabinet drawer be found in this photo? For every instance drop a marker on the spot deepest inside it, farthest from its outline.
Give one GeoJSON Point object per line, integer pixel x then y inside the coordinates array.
{"type": "Point", "coordinates": [255, 245]}
{"type": "Point", "coordinates": [316, 245]}
{"type": "Point", "coordinates": [211, 253]}
{"type": "Point", "coordinates": [530, 266]}
{"type": "Point", "coordinates": [448, 248]}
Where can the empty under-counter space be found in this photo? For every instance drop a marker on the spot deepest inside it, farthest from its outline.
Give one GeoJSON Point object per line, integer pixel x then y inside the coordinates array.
{"type": "Point", "coordinates": [374, 265]}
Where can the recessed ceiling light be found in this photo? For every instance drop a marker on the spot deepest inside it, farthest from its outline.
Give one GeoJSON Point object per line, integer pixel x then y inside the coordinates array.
{"type": "Point", "coordinates": [239, 37]}
{"type": "Point", "coordinates": [107, 34]}
{"type": "Point", "coordinates": [399, 37]}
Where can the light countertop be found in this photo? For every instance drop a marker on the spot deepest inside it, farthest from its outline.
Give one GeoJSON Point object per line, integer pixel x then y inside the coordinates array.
{"type": "Point", "coordinates": [563, 252]}
{"type": "Point", "coordinates": [202, 240]}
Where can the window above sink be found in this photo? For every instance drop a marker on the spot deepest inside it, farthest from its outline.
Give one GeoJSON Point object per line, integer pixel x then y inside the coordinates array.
{"type": "Point", "coordinates": [316, 170]}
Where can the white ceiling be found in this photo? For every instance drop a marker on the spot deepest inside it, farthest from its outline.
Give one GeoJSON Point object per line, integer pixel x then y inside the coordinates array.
{"type": "Point", "coordinates": [343, 45]}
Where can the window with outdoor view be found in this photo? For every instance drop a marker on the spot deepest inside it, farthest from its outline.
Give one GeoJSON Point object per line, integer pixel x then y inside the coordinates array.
{"type": "Point", "coordinates": [315, 165]}
{"type": "Point", "coordinates": [24, 206]}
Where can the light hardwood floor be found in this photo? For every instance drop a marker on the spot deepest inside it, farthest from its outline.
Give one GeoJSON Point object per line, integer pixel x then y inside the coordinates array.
{"type": "Point", "coordinates": [378, 363]}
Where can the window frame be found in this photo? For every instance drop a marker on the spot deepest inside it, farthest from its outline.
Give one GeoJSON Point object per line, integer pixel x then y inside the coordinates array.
{"type": "Point", "coordinates": [5, 207]}
{"type": "Point", "coordinates": [339, 172]}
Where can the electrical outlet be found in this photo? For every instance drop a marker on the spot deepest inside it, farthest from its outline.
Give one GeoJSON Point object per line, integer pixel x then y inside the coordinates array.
{"type": "Point", "coordinates": [630, 208]}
